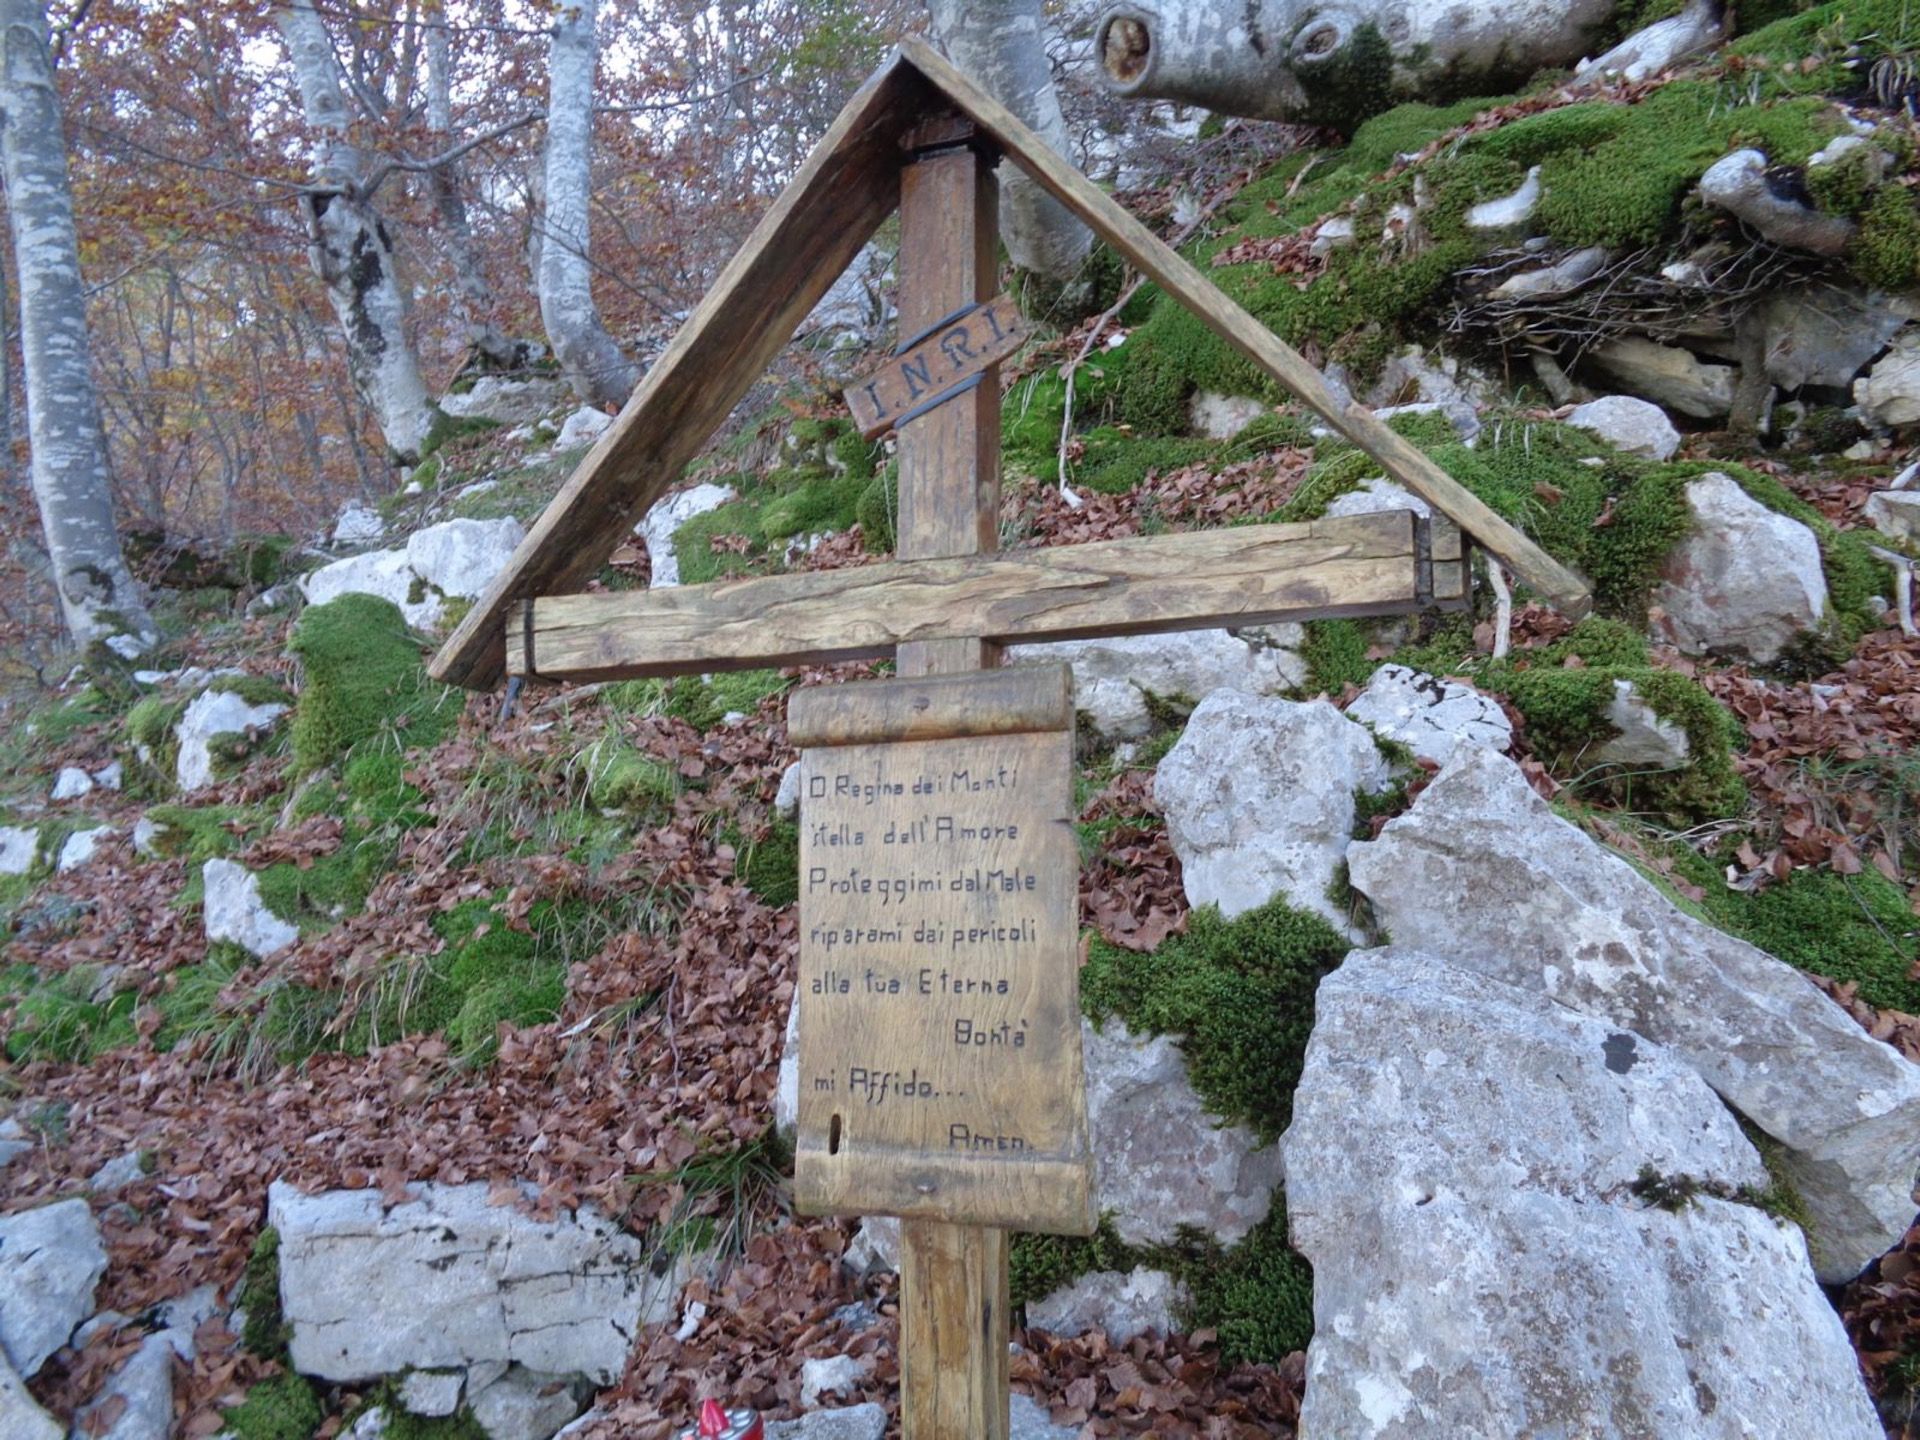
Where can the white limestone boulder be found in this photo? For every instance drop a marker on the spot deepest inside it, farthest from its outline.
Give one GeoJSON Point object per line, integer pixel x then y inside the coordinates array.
{"type": "Point", "coordinates": [1482, 871]}
{"type": "Point", "coordinates": [832, 1375]}
{"type": "Point", "coordinates": [854, 1422]}
{"type": "Point", "coordinates": [582, 427]}
{"type": "Point", "coordinates": [81, 847]}
{"type": "Point", "coordinates": [1635, 427]}
{"type": "Point", "coordinates": [234, 912]}
{"type": "Point", "coordinates": [137, 1403]}
{"type": "Point", "coordinates": [71, 783]}
{"type": "Point", "coordinates": [1641, 737]}
{"type": "Point", "coordinates": [1376, 496]}
{"type": "Point", "coordinates": [1889, 394]}
{"type": "Point", "coordinates": [211, 716]}
{"type": "Point", "coordinates": [1218, 416]}
{"type": "Point", "coordinates": [1746, 582]}
{"type": "Point", "coordinates": [1112, 678]}
{"type": "Point", "coordinates": [1824, 335]}
{"type": "Point", "coordinates": [1462, 1171]}
{"type": "Point", "coordinates": [357, 524]}
{"type": "Point", "coordinates": [19, 849]}
{"type": "Point", "coordinates": [1123, 1305]}
{"type": "Point", "coordinates": [1431, 717]}
{"type": "Point", "coordinates": [1259, 801]}
{"type": "Point", "coordinates": [50, 1260]}
{"type": "Point", "coordinates": [524, 1405]}
{"type": "Point", "coordinates": [1895, 514]}
{"type": "Point", "coordinates": [447, 1281]}
{"type": "Point", "coordinates": [21, 1417]}
{"type": "Point", "coordinates": [1161, 1160]}
{"type": "Point", "coordinates": [1669, 376]}
{"type": "Point", "coordinates": [456, 559]}
{"type": "Point", "coordinates": [668, 515]}
{"type": "Point", "coordinates": [506, 401]}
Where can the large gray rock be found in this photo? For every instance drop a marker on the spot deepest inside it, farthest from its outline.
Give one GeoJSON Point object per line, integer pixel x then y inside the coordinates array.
{"type": "Point", "coordinates": [1825, 335]}
{"type": "Point", "coordinates": [525, 1405]}
{"type": "Point", "coordinates": [1482, 1263]}
{"type": "Point", "coordinates": [1641, 737]}
{"type": "Point", "coordinates": [1747, 581]}
{"type": "Point", "coordinates": [456, 559]}
{"type": "Point", "coordinates": [1637, 427]}
{"type": "Point", "coordinates": [1124, 1305]}
{"type": "Point", "coordinates": [142, 1393]}
{"type": "Point", "coordinates": [855, 1422]}
{"type": "Point", "coordinates": [1112, 678]}
{"type": "Point", "coordinates": [1431, 717]}
{"type": "Point", "coordinates": [1894, 513]}
{"type": "Point", "coordinates": [81, 846]}
{"type": "Point", "coordinates": [50, 1260]}
{"type": "Point", "coordinates": [234, 911]}
{"type": "Point", "coordinates": [1160, 1159]}
{"type": "Point", "coordinates": [1669, 376]}
{"type": "Point", "coordinates": [19, 849]}
{"type": "Point", "coordinates": [1889, 394]}
{"type": "Point", "coordinates": [508, 402]}
{"type": "Point", "coordinates": [1483, 871]}
{"type": "Point", "coordinates": [1030, 1420]}
{"type": "Point", "coordinates": [446, 1280]}
{"type": "Point", "coordinates": [212, 715]}
{"type": "Point", "coordinates": [20, 1417]}
{"type": "Point", "coordinates": [1742, 185]}
{"type": "Point", "coordinates": [1259, 800]}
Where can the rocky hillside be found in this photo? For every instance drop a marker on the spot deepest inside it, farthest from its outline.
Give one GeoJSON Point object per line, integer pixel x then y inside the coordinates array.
{"type": "Point", "coordinates": [380, 1060]}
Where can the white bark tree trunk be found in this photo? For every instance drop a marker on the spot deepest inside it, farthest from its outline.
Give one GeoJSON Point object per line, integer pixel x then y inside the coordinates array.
{"type": "Point", "coordinates": [472, 298]}
{"type": "Point", "coordinates": [350, 250]}
{"type": "Point", "coordinates": [591, 360]}
{"type": "Point", "coordinates": [99, 597]}
{"type": "Point", "coordinates": [1003, 46]}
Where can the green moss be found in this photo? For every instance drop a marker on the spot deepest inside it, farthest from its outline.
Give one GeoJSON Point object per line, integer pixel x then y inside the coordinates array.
{"type": "Point", "coordinates": [149, 727]}
{"type": "Point", "coordinates": [1856, 928]}
{"type": "Point", "coordinates": [326, 890]}
{"type": "Point", "coordinates": [1258, 1295]}
{"type": "Point", "coordinates": [1239, 992]}
{"type": "Point", "coordinates": [1336, 655]}
{"type": "Point", "coordinates": [448, 428]}
{"type": "Point", "coordinates": [770, 865]}
{"type": "Point", "coordinates": [621, 778]}
{"type": "Point", "coordinates": [59, 1020]}
{"type": "Point", "coordinates": [283, 1407]}
{"type": "Point", "coordinates": [878, 509]}
{"type": "Point", "coordinates": [265, 1333]}
{"type": "Point", "coordinates": [1781, 1198]}
{"type": "Point", "coordinates": [489, 974]}
{"type": "Point", "coordinates": [1348, 87]}
{"type": "Point", "coordinates": [1038, 1265]}
{"type": "Point", "coordinates": [204, 832]}
{"type": "Point", "coordinates": [60, 721]}
{"type": "Point", "coordinates": [404, 1426]}
{"type": "Point", "coordinates": [364, 680]}
{"type": "Point", "coordinates": [1886, 252]}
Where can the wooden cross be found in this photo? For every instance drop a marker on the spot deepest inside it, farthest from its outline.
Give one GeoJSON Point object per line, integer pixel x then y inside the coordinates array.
{"type": "Point", "coordinates": [940, 1055]}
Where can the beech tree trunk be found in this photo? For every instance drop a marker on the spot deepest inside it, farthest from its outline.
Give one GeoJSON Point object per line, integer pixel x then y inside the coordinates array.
{"type": "Point", "coordinates": [592, 362]}
{"type": "Point", "coordinates": [350, 250]}
{"type": "Point", "coordinates": [1003, 46]}
{"type": "Point", "coordinates": [99, 598]}
{"type": "Point", "coordinates": [472, 299]}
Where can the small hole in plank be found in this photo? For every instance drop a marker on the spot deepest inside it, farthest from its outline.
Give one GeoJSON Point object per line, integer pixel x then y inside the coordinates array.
{"type": "Point", "coordinates": [833, 1136]}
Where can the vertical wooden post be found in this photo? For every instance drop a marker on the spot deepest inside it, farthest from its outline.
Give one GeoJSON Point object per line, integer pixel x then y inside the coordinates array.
{"type": "Point", "coordinates": [953, 1279]}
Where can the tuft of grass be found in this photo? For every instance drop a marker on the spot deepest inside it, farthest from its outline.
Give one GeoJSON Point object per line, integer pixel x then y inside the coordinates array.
{"type": "Point", "coordinates": [721, 1195]}
{"type": "Point", "coordinates": [57, 1019]}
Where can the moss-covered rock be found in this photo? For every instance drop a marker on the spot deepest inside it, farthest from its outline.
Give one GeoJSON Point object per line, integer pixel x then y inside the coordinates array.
{"type": "Point", "coordinates": [1238, 992]}
{"type": "Point", "coordinates": [282, 1407]}
{"type": "Point", "coordinates": [365, 678]}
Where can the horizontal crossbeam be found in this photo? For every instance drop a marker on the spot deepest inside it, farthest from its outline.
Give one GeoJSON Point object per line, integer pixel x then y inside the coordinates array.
{"type": "Point", "coordinates": [1247, 575]}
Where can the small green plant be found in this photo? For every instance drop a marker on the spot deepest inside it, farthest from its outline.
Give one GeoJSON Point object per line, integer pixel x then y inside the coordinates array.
{"type": "Point", "coordinates": [721, 1195]}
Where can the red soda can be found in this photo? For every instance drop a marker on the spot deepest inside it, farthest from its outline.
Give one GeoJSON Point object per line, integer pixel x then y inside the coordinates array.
{"type": "Point", "coordinates": [720, 1424]}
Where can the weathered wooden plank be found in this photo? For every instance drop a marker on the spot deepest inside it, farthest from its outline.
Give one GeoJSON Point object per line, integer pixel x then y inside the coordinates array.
{"type": "Point", "coordinates": [1143, 249]}
{"type": "Point", "coordinates": [953, 1283]}
{"type": "Point", "coordinates": [1246, 575]}
{"type": "Point", "coordinates": [928, 373]}
{"type": "Point", "coordinates": [955, 1321]}
{"type": "Point", "coordinates": [935, 707]}
{"type": "Point", "coordinates": [847, 187]}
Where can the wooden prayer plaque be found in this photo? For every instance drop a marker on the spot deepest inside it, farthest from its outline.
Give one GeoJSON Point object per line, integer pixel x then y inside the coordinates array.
{"type": "Point", "coordinates": [940, 1065]}
{"type": "Point", "coordinates": [934, 368]}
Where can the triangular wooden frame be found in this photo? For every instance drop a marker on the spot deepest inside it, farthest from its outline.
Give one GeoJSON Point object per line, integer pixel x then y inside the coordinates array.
{"type": "Point", "coordinates": [841, 196]}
